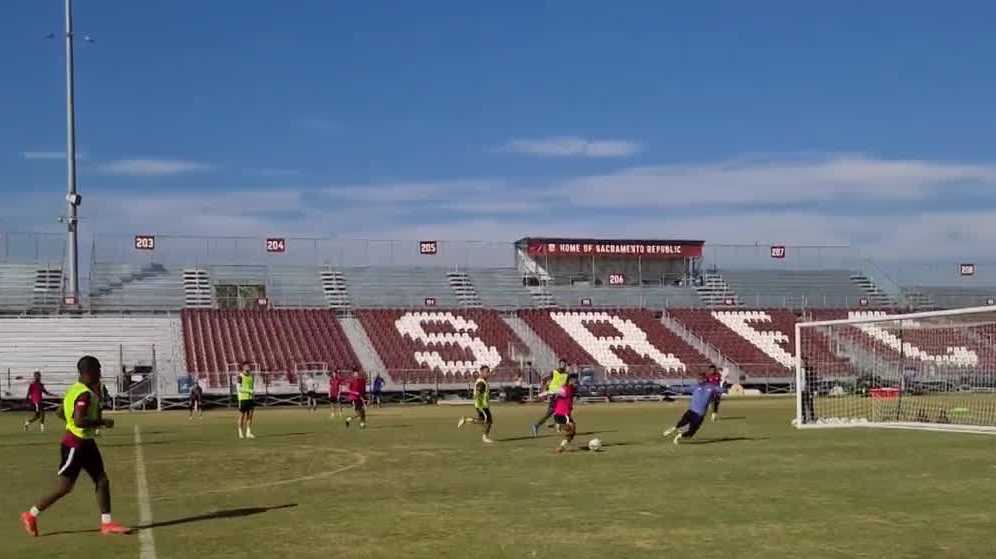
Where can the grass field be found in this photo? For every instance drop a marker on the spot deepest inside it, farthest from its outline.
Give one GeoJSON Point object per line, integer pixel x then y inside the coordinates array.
{"type": "Point", "coordinates": [411, 485]}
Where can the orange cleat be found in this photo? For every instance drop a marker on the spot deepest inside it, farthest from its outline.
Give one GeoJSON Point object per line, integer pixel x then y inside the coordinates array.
{"type": "Point", "coordinates": [112, 528]}
{"type": "Point", "coordinates": [30, 524]}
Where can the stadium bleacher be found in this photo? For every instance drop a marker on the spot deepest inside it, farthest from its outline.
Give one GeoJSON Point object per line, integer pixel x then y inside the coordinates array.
{"type": "Point", "coordinates": [275, 341]}
{"type": "Point", "coordinates": [414, 344]}
{"type": "Point", "coordinates": [29, 288]}
{"type": "Point", "coordinates": [626, 342]}
{"type": "Point", "coordinates": [795, 288]}
{"type": "Point", "coordinates": [54, 344]}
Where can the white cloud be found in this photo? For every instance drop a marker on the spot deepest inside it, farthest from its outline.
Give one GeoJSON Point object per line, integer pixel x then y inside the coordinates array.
{"type": "Point", "coordinates": [571, 146]}
{"type": "Point", "coordinates": [151, 167]}
{"type": "Point", "coordinates": [739, 182]}
{"type": "Point", "coordinates": [47, 155]}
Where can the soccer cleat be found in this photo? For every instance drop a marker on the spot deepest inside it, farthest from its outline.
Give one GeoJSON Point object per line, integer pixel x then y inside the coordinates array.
{"type": "Point", "coordinates": [348, 421]}
{"type": "Point", "coordinates": [677, 438]}
{"type": "Point", "coordinates": [26, 426]}
{"type": "Point", "coordinates": [241, 436]}
{"type": "Point", "coordinates": [486, 439]}
{"type": "Point", "coordinates": [668, 433]}
{"type": "Point", "coordinates": [460, 423]}
{"type": "Point", "coordinates": [249, 435]}
{"type": "Point", "coordinates": [535, 430]}
{"type": "Point", "coordinates": [113, 528]}
{"type": "Point", "coordinates": [363, 425]}
{"type": "Point", "coordinates": [714, 417]}
{"type": "Point", "coordinates": [30, 524]}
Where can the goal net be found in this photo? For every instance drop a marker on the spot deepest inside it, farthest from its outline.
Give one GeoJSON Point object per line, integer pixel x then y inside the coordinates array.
{"type": "Point", "coordinates": [929, 370]}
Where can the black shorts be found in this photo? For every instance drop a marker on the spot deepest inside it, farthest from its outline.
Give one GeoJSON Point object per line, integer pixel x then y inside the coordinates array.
{"type": "Point", "coordinates": [247, 405]}
{"type": "Point", "coordinates": [313, 395]}
{"type": "Point", "coordinates": [484, 414]}
{"type": "Point", "coordinates": [563, 419]}
{"type": "Point", "coordinates": [195, 402]}
{"type": "Point", "coordinates": [692, 421]}
{"type": "Point", "coordinates": [84, 457]}
{"type": "Point", "coordinates": [358, 404]}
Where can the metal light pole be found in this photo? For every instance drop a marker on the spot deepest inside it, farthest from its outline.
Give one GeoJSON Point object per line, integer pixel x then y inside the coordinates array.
{"type": "Point", "coordinates": [72, 295]}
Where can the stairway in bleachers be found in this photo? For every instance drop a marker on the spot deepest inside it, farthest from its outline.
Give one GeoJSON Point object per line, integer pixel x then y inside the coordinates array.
{"type": "Point", "coordinates": [197, 291]}
{"type": "Point", "coordinates": [464, 290]}
{"type": "Point", "coordinates": [28, 287]}
{"type": "Point", "coordinates": [336, 289]}
{"type": "Point", "coordinates": [714, 290]}
{"type": "Point", "coordinates": [876, 297]}
{"type": "Point", "coordinates": [370, 361]}
{"type": "Point", "coordinates": [542, 356]}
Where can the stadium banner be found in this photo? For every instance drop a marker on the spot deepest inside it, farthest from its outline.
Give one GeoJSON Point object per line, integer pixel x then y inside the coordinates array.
{"type": "Point", "coordinates": [614, 248]}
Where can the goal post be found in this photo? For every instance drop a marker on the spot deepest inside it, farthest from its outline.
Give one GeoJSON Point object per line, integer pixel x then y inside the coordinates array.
{"type": "Point", "coordinates": [931, 370]}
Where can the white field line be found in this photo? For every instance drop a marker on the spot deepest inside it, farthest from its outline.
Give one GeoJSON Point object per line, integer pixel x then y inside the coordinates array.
{"type": "Point", "coordinates": [146, 541]}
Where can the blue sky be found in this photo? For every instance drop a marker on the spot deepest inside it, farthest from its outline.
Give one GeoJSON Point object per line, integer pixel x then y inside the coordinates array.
{"type": "Point", "coordinates": [863, 122]}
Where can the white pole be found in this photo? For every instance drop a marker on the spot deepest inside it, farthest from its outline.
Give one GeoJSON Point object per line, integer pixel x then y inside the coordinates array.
{"type": "Point", "coordinates": [798, 374]}
{"type": "Point", "coordinates": [71, 197]}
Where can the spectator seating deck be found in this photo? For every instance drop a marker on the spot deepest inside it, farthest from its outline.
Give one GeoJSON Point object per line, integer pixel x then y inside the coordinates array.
{"type": "Point", "coordinates": [55, 344]}
{"type": "Point", "coordinates": [416, 345]}
{"type": "Point", "coordinates": [275, 342]}
{"type": "Point", "coordinates": [29, 287]}
{"type": "Point", "coordinates": [627, 343]}
{"type": "Point", "coordinates": [761, 343]}
{"type": "Point", "coordinates": [946, 297]}
{"type": "Point", "coordinates": [501, 288]}
{"type": "Point", "coordinates": [135, 288]}
{"type": "Point", "coordinates": [795, 289]}
{"type": "Point", "coordinates": [623, 297]}
{"type": "Point", "coordinates": [378, 287]}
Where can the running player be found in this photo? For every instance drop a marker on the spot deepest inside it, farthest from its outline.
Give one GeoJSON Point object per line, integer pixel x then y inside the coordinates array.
{"type": "Point", "coordinates": [36, 394]}
{"type": "Point", "coordinates": [482, 400]}
{"type": "Point", "coordinates": [715, 379]}
{"type": "Point", "coordinates": [558, 377]}
{"type": "Point", "coordinates": [81, 410]}
{"type": "Point", "coordinates": [247, 402]}
{"type": "Point", "coordinates": [702, 396]}
{"type": "Point", "coordinates": [357, 392]}
{"type": "Point", "coordinates": [312, 384]}
{"type": "Point", "coordinates": [335, 393]}
{"type": "Point", "coordinates": [563, 410]}
{"type": "Point", "coordinates": [196, 399]}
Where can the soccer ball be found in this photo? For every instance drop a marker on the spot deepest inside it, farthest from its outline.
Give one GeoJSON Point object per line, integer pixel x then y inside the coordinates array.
{"type": "Point", "coordinates": [594, 445]}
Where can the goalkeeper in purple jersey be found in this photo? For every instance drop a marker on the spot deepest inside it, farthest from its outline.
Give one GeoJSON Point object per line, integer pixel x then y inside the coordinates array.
{"type": "Point", "coordinates": [704, 394]}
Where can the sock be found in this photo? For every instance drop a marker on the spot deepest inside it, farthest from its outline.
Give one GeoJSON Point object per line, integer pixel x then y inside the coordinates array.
{"type": "Point", "coordinates": [105, 518]}
{"type": "Point", "coordinates": [34, 512]}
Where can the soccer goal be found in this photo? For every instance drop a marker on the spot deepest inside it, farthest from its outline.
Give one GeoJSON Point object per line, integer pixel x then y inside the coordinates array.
{"type": "Point", "coordinates": [928, 370]}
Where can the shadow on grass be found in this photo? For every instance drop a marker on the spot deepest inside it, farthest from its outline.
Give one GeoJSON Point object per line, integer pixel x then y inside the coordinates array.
{"type": "Point", "coordinates": [553, 435]}
{"type": "Point", "coordinates": [149, 443]}
{"type": "Point", "coordinates": [731, 418]}
{"type": "Point", "coordinates": [722, 440]}
{"type": "Point", "coordinates": [216, 515]}
{"type": "Point", "coordinates": [378, 427]}
{"type": "Point", "coordinates": [281, 435]}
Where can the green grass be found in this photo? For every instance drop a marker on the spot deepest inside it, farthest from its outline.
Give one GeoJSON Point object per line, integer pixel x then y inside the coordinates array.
{"type": "Point", "coordinates": [411, 485]}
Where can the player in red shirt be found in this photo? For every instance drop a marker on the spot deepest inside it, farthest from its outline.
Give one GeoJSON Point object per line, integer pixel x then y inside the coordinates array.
{"type": "Point", "coordinates": [335, 394]}
{"type": "Point", "coordinates": [563, 410]}
{"type": "Point", "coordinates": [356, 392]}
{"type": "Point", "coordinates": [36, 394]}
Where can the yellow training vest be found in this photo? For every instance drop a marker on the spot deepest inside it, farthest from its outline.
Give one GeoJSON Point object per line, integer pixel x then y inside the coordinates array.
{"type": "Point", "coordinates": [92, 410]}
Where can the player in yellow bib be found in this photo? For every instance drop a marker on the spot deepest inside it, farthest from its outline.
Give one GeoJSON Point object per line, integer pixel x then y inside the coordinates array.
{"type": "Point", "coordinates": [482, 404]}
{"type": "Point", "coordinates": [247, 402]}
{"type": "Point", "coordinates": [81, 410]}
{"type": "Point", "coordinates": [558, 378]}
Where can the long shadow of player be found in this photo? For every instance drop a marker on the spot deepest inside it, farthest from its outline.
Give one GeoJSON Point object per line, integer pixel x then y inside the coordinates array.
{"type": "Point", "coordinates": [216, 515]}
{"type": "Point", "coordinates": [553, 435]}
{"type": "Point", "coordinates": [722, 440]}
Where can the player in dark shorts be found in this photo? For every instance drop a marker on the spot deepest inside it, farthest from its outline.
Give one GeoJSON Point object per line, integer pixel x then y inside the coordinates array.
{"type": "Point", "coordinates": [81, 410]}
{"type": "Point", "coordinates": [196, 400]}
{"type": "Point", "coordinates": [715, 378]}
{"type": "Point", "coordinates": [36, 397]}
{"type": "Point", "coordinates": [357, 392]}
